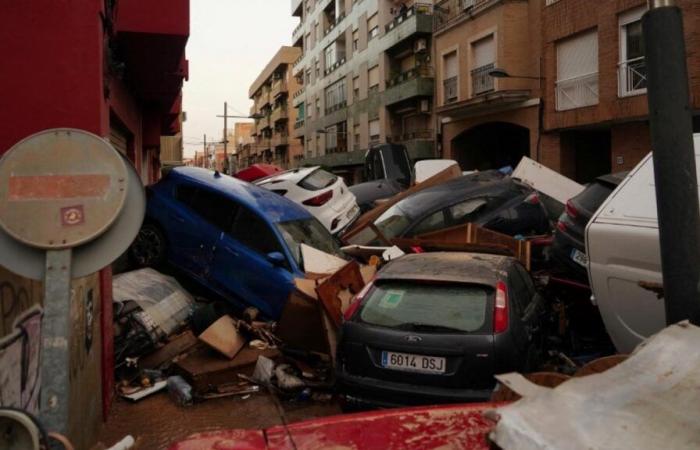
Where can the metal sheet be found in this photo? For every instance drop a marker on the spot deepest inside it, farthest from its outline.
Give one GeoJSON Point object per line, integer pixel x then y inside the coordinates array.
{"type": "Point", "coordinates": [60, 188]}
{"type": "Point", "coordinates": [89, 258]}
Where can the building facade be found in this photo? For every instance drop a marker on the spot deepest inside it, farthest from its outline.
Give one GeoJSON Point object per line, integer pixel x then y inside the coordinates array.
{"type": "Point", "coordinates": [488, 122]}
{"type": "Point", "coordinates": [114, 68]}
{"type": "Point", "coordinates": [366, 76]}
{"type": "Point", "coordinates": [271, 93]}
{"type": "Point", "coordinates": [596, 111]}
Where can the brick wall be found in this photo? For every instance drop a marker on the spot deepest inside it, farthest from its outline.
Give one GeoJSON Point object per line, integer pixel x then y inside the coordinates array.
{"type": "Point", "coordinates": [630, 143]}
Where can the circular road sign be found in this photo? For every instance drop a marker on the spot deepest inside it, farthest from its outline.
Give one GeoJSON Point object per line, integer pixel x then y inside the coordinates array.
{"type": "Point", "coordinates": [61, 188]}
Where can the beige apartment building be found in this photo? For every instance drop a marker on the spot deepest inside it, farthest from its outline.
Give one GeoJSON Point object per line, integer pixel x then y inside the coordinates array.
{"type": "Point", "coordinates": [270, 93]}
{"type": "Point", "coordinates": [365, 77]}
{"type": "Point", "coordinates": [488, 122]}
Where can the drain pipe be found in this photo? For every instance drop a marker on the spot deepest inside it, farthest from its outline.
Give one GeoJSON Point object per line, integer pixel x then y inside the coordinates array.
{"type": "Point", "coordinates": [671, 126]}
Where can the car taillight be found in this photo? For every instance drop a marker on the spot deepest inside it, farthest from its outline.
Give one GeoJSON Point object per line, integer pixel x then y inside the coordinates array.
{"type": "Point", "coordinates": [561, 226]}
{"type": "Point", "coordinates": [571, 210]}
{"type": "Point", "coordinates": [500, 312]}
{"type": "Point", "coordinates": [319, 200]}
{"type": "Point", "coordinates": [357, 301]}
{"type": "Point", "coordinates": [533, 199]}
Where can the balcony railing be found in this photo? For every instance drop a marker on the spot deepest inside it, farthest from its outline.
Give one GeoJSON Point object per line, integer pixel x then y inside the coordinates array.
{"type": "Point", "coordinates": [299, 92]}
{"type": "Point", "coordinates": [279, 139]}
{"type": "Point", "coordinates": [298, 124]}
{"type": "Point", "coordinates": [426, 134]}
{"type": "Point", "coordinates": [418, 8]}
{"type": "Point", "coordinates": [340, 60]}
{"type": "Point", "coordinates": [577, 92]}
{"type": "Point", "coordinates": [297, 30]}
{"type": "Point", "coordinates": [279, 114]}
{"type": "Point", "coordinates": [448, 12]}
{"type": "Point", "coordinates": [333, 108]}
{"type": "Point", "coordinates": [633, 77]}
{"type": "Point", "coordinates": [482, 82]}
{"type": "Point", "coordinates": [422, 71]}
{"type": "Point", "coordinates": [450, 87]}
{"type": "Point", "coordinates": [334, 24]}
{"type": "Point", "coordinates": [279, 87]}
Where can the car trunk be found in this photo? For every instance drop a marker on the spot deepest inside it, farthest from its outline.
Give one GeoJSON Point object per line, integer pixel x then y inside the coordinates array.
{"type": "Point", "coordinates": [427, 352]}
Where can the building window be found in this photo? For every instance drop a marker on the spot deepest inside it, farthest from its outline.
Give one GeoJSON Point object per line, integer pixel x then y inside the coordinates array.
{"type": "Point", "coordinates": [373, 26]}
{"type": "Point", "coordinates": [356, 136]}
{"type": "Point", "coordinates": [309, 111]}
{"type": "Point", "coordinates": [356, 88]}
{"type": "Point", "coordinates": [331, 139]}
{"type": "Point", "coordinates": [374, 133]}
{"type": "Point", "coordinates": [336, 96]}
{"type": "Point", "coordinates": [318, 107]}
{"type": "Point", "coordinates": [330, 56]}
{"type": "Point", "coordinates": [484, 54]}
{"type": "Point", "coordinates": [373, 79]}
{"type": "Point", "coordinates": [577, 71]}
{"type": "Point", "coordinates": [318, 69]}
{"type": "Point", "coordinates": [632, 68]}
{"type": "Point", "coordinates": [356, 40]}
{"type": "Point", "coordinates": [450, 85]}
{"type": "Point", "coordinates": [308, 76]}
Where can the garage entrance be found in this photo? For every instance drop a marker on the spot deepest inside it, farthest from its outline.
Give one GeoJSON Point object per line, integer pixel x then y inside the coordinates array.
{"type": "Point", "coordinates": [491, 146]}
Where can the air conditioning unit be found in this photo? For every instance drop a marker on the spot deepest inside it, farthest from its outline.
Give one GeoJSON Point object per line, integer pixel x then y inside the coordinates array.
{"type": "Point", "coordinates": [421, 45]}
{"type": "Point", "coordinates": [425, 106]}
{"type": "Point", "coordinates": [467, 4]}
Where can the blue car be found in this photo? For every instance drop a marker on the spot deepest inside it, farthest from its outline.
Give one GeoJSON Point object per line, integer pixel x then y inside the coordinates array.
{"type": "Point", "coordinates": [238, 240]}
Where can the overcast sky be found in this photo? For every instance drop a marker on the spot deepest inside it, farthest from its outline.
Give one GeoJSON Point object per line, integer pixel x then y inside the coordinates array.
{"type": "Point", "coordinates": [230, 42]}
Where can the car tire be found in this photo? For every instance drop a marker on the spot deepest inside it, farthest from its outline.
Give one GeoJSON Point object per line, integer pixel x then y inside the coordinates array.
{"type": "Point", "coordinates": [149, 247]}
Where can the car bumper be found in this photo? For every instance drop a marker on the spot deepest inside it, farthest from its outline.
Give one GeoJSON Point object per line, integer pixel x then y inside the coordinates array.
{"type": "Point", "coordinates": [343, 226]}
{"type": "Point", "coordinates": [362, 392]}
{"type": "Point", "coordinates": [561, 249]}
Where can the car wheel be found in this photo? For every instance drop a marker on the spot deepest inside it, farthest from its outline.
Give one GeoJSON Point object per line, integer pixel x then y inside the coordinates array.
{"type": "Point", "coordinates": [148, 249]}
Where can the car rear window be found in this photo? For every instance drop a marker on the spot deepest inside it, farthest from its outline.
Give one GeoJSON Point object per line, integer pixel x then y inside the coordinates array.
{"type": "Point", "coordinates": [309, 232]}
{"type": "Point", "coordinates": [418, 307]}
{"type": "Point", "coordinates": [593, 196]}
{"type": "Point", "coordinates": [318, 179]}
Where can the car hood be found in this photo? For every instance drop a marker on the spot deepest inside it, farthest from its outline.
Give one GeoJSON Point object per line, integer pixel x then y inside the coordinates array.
{"type": "Point", "coordinates": [454, 426]}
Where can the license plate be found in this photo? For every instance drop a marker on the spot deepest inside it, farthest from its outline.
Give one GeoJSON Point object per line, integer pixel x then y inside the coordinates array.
{"type": "Point", "coordinates": [413, 363]}
{"type": "Point", "coordinates": [579, 257]}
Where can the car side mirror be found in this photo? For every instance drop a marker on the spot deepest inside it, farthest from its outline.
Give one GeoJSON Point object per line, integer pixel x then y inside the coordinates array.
{"type": "Point", "coordinates": [276, 258]}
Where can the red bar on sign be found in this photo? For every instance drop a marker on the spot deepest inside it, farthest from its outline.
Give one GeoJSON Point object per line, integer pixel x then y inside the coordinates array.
{"type": "Point", "coordinates": [55, 187]}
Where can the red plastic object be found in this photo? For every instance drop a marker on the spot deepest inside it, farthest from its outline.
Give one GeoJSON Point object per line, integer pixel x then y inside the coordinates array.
{"type": "Point", "coordinates": [432, 427]}
{"type": "Point", "coordinates": [257, 171]}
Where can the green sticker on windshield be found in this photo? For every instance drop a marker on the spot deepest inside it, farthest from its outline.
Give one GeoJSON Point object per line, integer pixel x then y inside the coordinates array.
{"type": "Point", "coordinates": [391, 299]}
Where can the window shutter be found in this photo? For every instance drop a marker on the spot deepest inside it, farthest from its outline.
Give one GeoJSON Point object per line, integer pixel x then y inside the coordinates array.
{"type": "Point", "coordinates": [451, 67]}
{"type": "Point", "coordinates": [577, 56]}
{"type": "Point", "coordinates": [374, 76]}
{"type": "Point", "coordinates": [484, 52]}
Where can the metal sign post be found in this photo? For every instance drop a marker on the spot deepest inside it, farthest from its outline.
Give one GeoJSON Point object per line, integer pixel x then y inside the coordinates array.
{"type": "Point", "coordinates": [69, 205]}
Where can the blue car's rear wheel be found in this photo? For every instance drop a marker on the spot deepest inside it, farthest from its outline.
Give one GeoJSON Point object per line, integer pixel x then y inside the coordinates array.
{"type": "Point", "coordinates": [148, 249]}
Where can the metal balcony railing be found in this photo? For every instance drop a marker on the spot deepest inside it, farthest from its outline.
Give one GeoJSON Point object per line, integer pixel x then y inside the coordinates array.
{"type": "Point", "coordinates": [482, 82]}
{"type": "Point", "coordinates": [298, 124]}
{"type": "Point", "coordinates": [577, 92]}
{"type": "Point", "coordinates": [339, 61]}
{"type": "Point", "coordinates": [415, 9]}
{"type": "Point", "coordinates": [633, 77]}
{"type": "Point", "coordinates": [279, 87]}
{"type": "Point", "coordinates": [422, 71]}
{"type": "Point", "coordinates": [338, 106]}
{"type": "Point", "coordinates": [450, 88]}
{"type": "Point", "coordinates": [448, 12]}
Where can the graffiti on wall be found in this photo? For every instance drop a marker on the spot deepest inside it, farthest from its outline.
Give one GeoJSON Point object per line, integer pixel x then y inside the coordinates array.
{"type": "Point", "coordinates": [19, 362]}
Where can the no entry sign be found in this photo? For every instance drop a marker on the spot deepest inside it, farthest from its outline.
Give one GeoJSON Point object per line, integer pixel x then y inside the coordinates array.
{"type": "Point", "coordinates": [60, 189]}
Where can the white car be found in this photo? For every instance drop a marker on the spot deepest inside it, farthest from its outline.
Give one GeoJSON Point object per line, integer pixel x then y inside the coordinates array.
{"type": "Point", "coordinates": [322, 193]}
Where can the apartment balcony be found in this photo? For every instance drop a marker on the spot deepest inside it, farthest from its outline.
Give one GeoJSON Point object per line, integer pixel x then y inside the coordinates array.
{"type": "Point", "coordinates": [298, 66]}
{"type": "Point", "coordinates": [297, 8]}
{"type": "Point", "coordinates": [263, 145]}
{"type": "Point", "coordinates": [264, 123]}
{"type": "Point", "coordinates": [279, 140]}
{"type": "Point", "coordinates": [419, 143]}
{"type": "Point", "coordinates": [417, 20]}
{"type": "Point", "coordinates": [482, 81]}
{"type": "Point", "coordinates": [279, 87]}
{"type": "Point", "coordinates": [279, 114]}
{"type": "Point", "coordinates": [298, 32]}
{"type": "Point", "coordinates": [264, 99]}
{"type": "Point", "coordinates": [299, 124]}
{"type": "Point", "coordinates": [451, 90]}
{"type": "Point", "coordinates": [337, 107]}
{"type": "Point", "coordinates": [332, 26]}
{"type": "Point", "coordinates": [450, 12]}
{"type": "Point", "coordinates": [353, 158]}
{"type": "Point", "coordinates": [577, 92]}
{"type": "Point", "coordinates": [416, 82]}
{"type": "Point", "coordinates": [632, 77]}
{"type": "Point", "coordinates": [339, 62]}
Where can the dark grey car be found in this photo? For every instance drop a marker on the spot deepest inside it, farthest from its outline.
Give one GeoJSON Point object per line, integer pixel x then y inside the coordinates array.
{"type": "Point", "coordinates": [436, 328]}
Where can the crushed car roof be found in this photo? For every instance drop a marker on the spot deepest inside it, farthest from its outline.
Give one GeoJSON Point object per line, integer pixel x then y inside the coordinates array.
{"type": "Point", "coordinates": [458, 267]}
{"type": "Point", "coordinates": [275, 207]}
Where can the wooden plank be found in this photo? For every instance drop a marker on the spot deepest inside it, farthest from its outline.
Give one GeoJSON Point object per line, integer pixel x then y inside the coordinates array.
{"type": "Point", "coordinates": [333, 292]}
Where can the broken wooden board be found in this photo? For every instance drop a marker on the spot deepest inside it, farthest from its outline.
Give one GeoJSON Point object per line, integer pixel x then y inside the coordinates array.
{"type": "Point", "coordinates": [317, 262]}
{"type": "Point", "coordinates": [301, 325]}
{"type": "Point", "coordinates": [204, 370]}
{"type": "Point", "coordinates": [337, 291]}
{"type": "Point", "coordinates": [369, 217]}
{"type": "Point", "coordinates": [175, 347]}
{"type": "Point", "coordinates": [472, 238]}
{"type": "Point", "coordinates": [224, 337]}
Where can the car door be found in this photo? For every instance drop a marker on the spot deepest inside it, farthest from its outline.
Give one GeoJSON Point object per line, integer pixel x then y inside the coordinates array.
{"type": "Point", "coordinates": [241, 267]}
{"type": "Point", "coordinates": [195, 227]}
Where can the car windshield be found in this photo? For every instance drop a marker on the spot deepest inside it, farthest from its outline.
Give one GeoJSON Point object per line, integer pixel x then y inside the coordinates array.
{"type": "Point", "coordinates": [318, 179]}
{"type": "Point", "coordinates": [418, 306]}
{"type": "Point", "coordinates": [393, 222]}
{"type": "Point", "coordinates": [309, 232]}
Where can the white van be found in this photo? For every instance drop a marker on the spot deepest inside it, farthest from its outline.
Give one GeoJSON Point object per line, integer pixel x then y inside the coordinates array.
{"type": "Point", "coordinates": [622, 244]}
